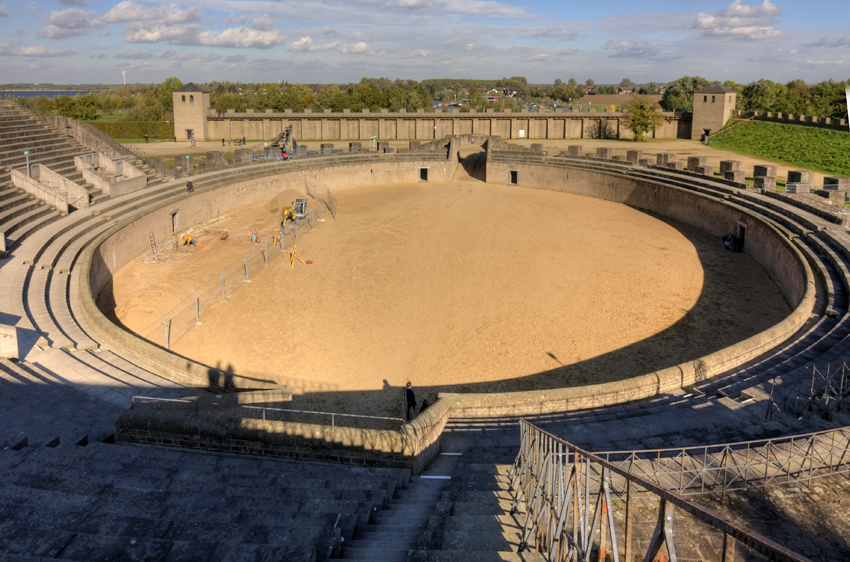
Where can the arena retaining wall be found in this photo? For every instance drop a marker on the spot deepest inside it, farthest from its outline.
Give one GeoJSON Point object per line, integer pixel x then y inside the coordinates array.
{"type": "Point", "coordinates": [765, 243]}
{"type": "Point", "coordinates": [129, 239]}
{"type": "Point", "coordinates": [187, 425]}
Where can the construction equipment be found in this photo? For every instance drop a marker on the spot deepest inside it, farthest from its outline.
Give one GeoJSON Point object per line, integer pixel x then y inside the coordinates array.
{"type": "Point", "coordinates": [297, 211]}
{"type": "Point", "coordinates": [283, 139]}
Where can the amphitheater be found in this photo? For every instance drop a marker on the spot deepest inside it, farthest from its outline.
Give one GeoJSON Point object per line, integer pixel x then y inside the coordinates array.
{"type": "Point", "coordinates": [117, 448]}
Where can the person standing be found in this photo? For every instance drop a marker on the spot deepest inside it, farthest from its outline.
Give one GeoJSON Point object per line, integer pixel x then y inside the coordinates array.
{"type": "Point", "coordinates": [409, 402]}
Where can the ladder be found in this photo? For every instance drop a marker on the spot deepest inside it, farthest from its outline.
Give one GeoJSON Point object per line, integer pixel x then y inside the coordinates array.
{"type": "Point", "coordinates": [152, 242]}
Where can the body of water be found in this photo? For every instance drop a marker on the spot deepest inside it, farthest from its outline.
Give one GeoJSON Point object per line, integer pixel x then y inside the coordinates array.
{"type": "Point", "coordinates": [4, 94]}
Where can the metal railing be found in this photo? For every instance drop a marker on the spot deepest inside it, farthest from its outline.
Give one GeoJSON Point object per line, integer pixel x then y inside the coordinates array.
{"type": "Point", "coordinates": [267, 413]}
{"type": "Point", "coordinates": [580, 506]}
{"type": "Point", "coordinates": [739, 466]}
{"type": "Point", "coordinates": [177, 322]}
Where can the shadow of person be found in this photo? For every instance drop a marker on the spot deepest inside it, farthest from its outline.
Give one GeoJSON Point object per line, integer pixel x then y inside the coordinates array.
{"type": "Point", "coordinates": [387, 385]}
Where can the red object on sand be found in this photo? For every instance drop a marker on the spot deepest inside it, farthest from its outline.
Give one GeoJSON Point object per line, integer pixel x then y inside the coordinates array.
{"type": "Point", "coordinates": [309, 262]}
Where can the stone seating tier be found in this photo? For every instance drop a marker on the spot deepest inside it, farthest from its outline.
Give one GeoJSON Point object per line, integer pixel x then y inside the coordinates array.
{"type": "Point", "coordinates": [213, 504]}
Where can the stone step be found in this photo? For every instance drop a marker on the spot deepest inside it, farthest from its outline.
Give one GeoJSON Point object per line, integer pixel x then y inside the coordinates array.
{"type": "Point", "coordinates": [379, 533]}
{"type": "Point", "coordinates": [395, 555]}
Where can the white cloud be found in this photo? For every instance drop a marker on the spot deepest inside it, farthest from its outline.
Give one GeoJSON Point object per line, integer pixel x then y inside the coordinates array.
{"type": "Point", "coordinates": [451, 42]}
{"type": "Point", "coordinates": [638, 49]}
{"type": "Point", "coordinates": [66, 23]}
{"type": "Point", "coordinates": [41, 51]}
{"type": "Point", "coordinates": [193, 34]}
{"type": "Point", "coordinates": [421, 53]}
{"type": "Point", "coordinates": [128, 11]}
{"type": "Point", "coordinates": [73, 2]}
{"type": "Point", "coordinates": [355, 49]}
{"type": "Point", "coordinates": [235, 58]}
{"type": "Point", "coordinates": [559, 34]}
{"type": "Point", "coordinates": [305, 45]}
{"type": "Point", "coordinates": [416, 4]}
{"type": "Point", "coordinates": [134, 55]}
{"type": "Point", "coordinates": [263, 23]}
{"type": "Point", "coordinates": [828, 63]}
{"type": "Point", "coordinates": [4, 12]}
{"type": "Point", "coordinates": [740, 21]}
{"type": "Point", "coordinates": [242, 37]}
{"type": "Point", "coordinates": [190, 56]}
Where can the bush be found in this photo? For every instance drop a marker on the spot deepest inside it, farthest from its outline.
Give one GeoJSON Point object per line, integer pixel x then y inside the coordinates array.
{"type": "Point", "coordinates": [137, 129]}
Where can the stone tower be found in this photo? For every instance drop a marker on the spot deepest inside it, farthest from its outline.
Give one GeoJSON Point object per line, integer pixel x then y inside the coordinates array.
{"type": "Point", "coordinates": [713, 106]}
{"type": "Point", "coordinates": [191, 106]}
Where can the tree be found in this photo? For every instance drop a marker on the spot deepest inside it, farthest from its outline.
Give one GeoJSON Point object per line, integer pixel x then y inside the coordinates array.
{"type": "Point", "coordinates": [680, 94]}
{"type": "Point", "coordinates": [565, 93]}
{"type": "Point", "coordinates": [641, 115]}
{"type": "Point", "coordinates": [626, 83]}
{"type": "Point", "coordinates": [558, 82]}
{"type": "Point", "coordinates": [573, 82]}
{"type": "Point", "coordinates": [86, 109]}
{"type": "Point", "coordinates": [590, 82]}
{"type": "Point", "coordinates": [475, 99]}
{"type": "Point", "coordinates": [764, 95]}
{"type": "Point", "coordinates": [164, 93]}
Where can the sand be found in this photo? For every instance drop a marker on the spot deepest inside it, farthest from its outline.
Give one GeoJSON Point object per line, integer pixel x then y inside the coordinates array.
{"type": "Point", "coordinates": [460, 286]}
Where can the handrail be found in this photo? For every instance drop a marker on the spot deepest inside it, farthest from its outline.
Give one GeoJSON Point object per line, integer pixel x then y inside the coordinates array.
{"type": "Point", "coordinates": [561, 483]}
{"type": "Point", "coordinates": [263, 408]}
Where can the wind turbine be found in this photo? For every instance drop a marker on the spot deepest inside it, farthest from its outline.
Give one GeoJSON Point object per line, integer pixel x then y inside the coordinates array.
{"type": "Point", "coordinates": [124, 76]}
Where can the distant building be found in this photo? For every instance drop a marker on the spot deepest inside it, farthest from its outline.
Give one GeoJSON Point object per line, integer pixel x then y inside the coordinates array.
{"type": "Point", "coordinates": [191, 105]}
{"type": "Point", "coordinates": [713, 106]}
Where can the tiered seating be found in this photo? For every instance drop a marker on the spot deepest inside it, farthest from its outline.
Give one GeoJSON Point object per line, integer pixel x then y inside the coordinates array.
{"type": "Point", "coordinates": [122, 502]}
{"type": "Point", "coordinates": [21, 214]}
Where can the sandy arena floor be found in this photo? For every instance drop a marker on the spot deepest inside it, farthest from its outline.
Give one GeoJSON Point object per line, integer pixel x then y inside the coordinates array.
{"type": "Point", "coordinates": [459, 286]}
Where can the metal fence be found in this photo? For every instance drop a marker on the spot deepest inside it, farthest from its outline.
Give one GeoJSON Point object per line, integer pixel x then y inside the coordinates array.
{"type": "Point", "coordinates": [739, 466]}
{"type": "Point", "coordinates": [323, 194]}
{"type": "Point", "coordinates": [579, 506]}
{"type": "Point", "coordinates": [177, 322]}
{"type": "Point", "coordinates": [825, 393]}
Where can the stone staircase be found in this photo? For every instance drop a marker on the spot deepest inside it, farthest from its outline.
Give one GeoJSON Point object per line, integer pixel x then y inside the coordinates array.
{"type": "Point", "coordinates": [458, 510]}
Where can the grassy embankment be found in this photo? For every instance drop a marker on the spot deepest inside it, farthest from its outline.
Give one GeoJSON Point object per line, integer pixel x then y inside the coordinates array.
{"type": "Point", "coordinates": [810, 148]}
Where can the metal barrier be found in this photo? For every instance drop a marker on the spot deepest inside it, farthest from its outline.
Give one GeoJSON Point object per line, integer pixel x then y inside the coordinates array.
{"type": "Point", "coordinates": [825, 393]}
{"type": "Point", "coordinates": [739, 466]}
{"type": "Point", "coordinates": [177, 322]}
{"type": "Point", "coordinates": [267, 414]}
{"type": "Point", "coordinates": [579, 505]}
{"type": "Point", "coordinates": [323, 194]}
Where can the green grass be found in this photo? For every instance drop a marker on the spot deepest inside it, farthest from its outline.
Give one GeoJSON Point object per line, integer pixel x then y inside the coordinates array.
{"type": "Point", "coordinates": [810, 148]}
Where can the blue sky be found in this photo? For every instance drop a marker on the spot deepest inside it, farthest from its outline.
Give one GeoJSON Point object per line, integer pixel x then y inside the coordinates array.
{"type": "Point", "coordinates": [85, 41]}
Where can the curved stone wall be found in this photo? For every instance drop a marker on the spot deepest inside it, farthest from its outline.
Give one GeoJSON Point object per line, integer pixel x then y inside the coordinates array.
{"type": "Point", "coordinates": [769, 246]}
